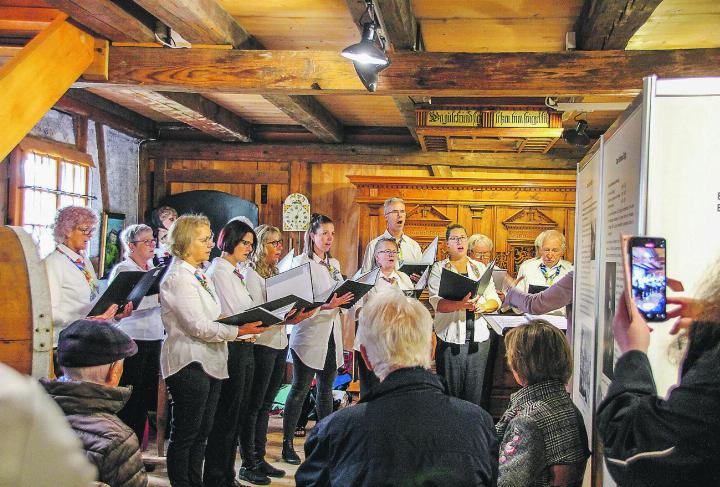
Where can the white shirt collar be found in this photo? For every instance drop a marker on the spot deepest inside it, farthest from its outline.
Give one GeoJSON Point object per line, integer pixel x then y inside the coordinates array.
{"type": "Point", "coordinates": [70, 253]}
{"type": "Point", "coordinates": [187, 266]}
{"type": "Point", "coordinates": [387, 234]}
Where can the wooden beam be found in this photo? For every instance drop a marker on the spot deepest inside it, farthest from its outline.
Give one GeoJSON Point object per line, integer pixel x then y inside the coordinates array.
{"type": "Point", "coordinates": [102, 166]}
{"type": "Point", "coordinates": [358, 154]}
{"type": "Point", "coordinates": [26, 20]}
{"type": "Point", "coordinates": [441, 171]}
{"type": "Point", "coordinates": [225, 176]}
{"type": "Point", "coordinates": [309, 113]}
{"type": "Point", "coordinates": [411, 73]}
{"type": "Point", "coordinates": [407, 109]}
{"type": "Point", "coordinates": [398, 22]}
{"type": "Point", "coordinates": [107, 19]}
{"type": "Point", "coordinates": [201, 113]}
{"type": "Point", "coordinates": [610, 24]}
{"type": "Point", "coordinates": [33, 80]}
{"type": "Point", "coordinates": [90, 105]}
{"type": "Point", "coordinates": [201, 22]}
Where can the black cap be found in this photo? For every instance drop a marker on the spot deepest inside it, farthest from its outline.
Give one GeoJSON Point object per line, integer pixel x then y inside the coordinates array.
{"type": "Point", "coordinates": [86, 343]}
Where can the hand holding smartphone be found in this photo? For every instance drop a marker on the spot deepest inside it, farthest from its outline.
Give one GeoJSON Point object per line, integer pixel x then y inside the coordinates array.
{"type": "Point", "coordinates": [647, 276]}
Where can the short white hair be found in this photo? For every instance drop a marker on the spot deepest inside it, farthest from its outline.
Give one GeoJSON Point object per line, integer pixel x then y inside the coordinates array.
{"type": "Point", "coordinates": [391, 201]}
{"type": "Point", "coordinates": [479, 238]}
{"type": "Point", "coordinates": [540, 240]}
{"type": "Point", "coordinates": [95, 373]}
{"type": "Point", "coordinates": [396, 332]}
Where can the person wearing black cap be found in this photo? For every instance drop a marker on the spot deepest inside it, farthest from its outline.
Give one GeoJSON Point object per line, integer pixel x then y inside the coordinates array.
{"type": "Point", "coordinates": [91, 354]}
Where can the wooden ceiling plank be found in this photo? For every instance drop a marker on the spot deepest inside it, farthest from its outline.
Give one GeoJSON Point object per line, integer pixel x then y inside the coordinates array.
{"type": "Point", "coordinates": [33, 80]}
{"type": "Point", "coordinates": [409, 155]}
{"type": "Point", "coordinates": [398, 22]}
{"type": "Point", "coordinates": [610, 24]}
{"type": "Point", "coordinates": [309, 113]}
{"type": "Point", "coordinates": [201, 22]}
{"type": "Point", "coordinates": [106, 19]}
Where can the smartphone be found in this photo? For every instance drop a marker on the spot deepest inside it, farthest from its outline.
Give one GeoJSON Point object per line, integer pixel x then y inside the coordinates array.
{"type": "Point", "coordinates": [647, 274]}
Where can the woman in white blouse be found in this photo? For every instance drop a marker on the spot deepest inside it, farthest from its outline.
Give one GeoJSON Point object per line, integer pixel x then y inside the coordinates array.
{"type": "Point", "coordinates": [463, 341]}
{"type": "Point", "coordinates": [315, 343]}
{"type": "Point", "coordinates": [142, 370]}
{"type": "Point", "coordinates": [194, 355]}
{"type": "Point", "coordinates": [385, 256]}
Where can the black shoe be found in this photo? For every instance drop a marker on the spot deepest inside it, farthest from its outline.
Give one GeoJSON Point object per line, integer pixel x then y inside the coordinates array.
{"type": "Point", "coordinates": [288, 453]}
{"type": "Point", "coordinates": [253, 475]}
{"type": "Point", "coordinates": [269, 470]}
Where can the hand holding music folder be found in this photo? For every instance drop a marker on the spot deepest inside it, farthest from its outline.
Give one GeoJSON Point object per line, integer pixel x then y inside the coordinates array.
{"type": "Point", "coordinates": [129, 286]}
{"type": "Point", "coordinates": [455, 287]}
{"type": "Point", "coordinates": [359, 287]}
{"type": "Point", "coordinates": [427, 260]}
{"type": "Point", "coordinates": [260, 313]}
{"type": "Point", "coordinates": [419, 286]}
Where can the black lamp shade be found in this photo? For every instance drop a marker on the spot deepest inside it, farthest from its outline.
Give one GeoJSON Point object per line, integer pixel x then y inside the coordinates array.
{"type": "Point", "coordinates": [366, 52]}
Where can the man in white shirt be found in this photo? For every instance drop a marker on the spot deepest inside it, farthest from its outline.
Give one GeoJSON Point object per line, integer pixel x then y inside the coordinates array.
{"type": "Point", "coordinates": [409, 250]}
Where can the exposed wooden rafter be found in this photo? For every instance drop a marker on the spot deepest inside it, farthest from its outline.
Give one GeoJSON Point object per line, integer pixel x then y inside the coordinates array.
{"type": "Point", "coordinates": [309, 113]}
{"type": "Point", "coordinates": [108, 19]}
{"type": "Point", "coordinates": [411, 73]}
{"type": "Point", "coordinates": [358, 154]}
{"type": "Point", "coordinates": [610, 24]}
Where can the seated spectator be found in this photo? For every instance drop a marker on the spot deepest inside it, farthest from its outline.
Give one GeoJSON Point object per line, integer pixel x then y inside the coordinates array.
{"type": "Point", "coordinates": [669, 441]}
{"type": "Point", "coordinates": [407, 430]}
{"type": "Point", "coordinates": [542, 436]}
{"type": "Point", "coordinates": [91, 355]}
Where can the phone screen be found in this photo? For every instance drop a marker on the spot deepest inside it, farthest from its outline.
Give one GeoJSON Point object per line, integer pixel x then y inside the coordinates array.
{"type": "Point", "coordinates": [648, 276]}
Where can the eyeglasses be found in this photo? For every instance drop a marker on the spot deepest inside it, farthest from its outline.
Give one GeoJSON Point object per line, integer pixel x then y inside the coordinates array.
{"type": "Point", "coordinates": [246, 243]}
{"type": "Point", "coordinates": [388, 252]}
{"type": "Point", "coordinates": [149, 242]}
{"type": "Point", "coordinates": [276, 243]}
{"type": "Point", "coordinates": [482, 254]}
{"type": "Point", "coordinates": [86, 230]}
{"type": "Point", "coordinates": [396, 213]}
{"type": "Point", "coordinates": [457, 239]}
{"type": "Point", "coordinates": [207, 240]}
{"type": "Point", "coordinates": [548, 250]}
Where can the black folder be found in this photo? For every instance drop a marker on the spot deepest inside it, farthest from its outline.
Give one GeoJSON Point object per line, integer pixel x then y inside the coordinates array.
{"type": "Point", "coordinates": [534, 289]}
{"type": "Point", "coordinates": [455, 286]}
{"type": "Point", "coordinates": [358, 289]}
{"type": "Point", "coordinates": [254, 314]}
{"type": "Point", "coordinates": [411, 269]}
{"type": "Point", "coordinates": [129, 286]}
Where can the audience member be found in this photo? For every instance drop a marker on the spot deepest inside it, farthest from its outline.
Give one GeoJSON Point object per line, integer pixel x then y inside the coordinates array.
{"type": "Point", "coordinates": [407, 430]}
{"type": "Point", "coordinates": [91, 355]}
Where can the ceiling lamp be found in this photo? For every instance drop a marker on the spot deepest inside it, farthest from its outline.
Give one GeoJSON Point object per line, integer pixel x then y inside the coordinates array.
{"type": "Point", "coordinates": [577, 136]}
{"type": "Point", "coordinates": [368, 55]}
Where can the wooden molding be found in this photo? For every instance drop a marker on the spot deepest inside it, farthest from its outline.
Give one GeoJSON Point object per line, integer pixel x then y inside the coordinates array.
{"type": "Point", "coordinates": [407, 109]}
{"type": "Point", "coordinates": [56, 149]}
{"type": "Point", "coordinates": [610, 24]}
{"type": "Point", "coordinates": [309, 113]}
{"type": "Point", "coordinates": [225, 176]}
{"type": "Point", "coordinates": [572, 73]}
{"type": "Point", "coordinates": [107, 19]}
{"type": "Point", "coordinates": [356, 154]}
{"type": "Point", "coordinates": [34, 79]}
{"type": "Point", "coordinates": [201, 21]}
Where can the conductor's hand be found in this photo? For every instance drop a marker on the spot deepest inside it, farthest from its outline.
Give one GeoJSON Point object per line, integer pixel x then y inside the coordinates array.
{"type": "Point", "coordinates": [107, 315]}
{"type": "Point", "coordinates": [630, 328]}
{"type": "Point", "coordinates": [338, 301]}
{"type": "Point", "coordinates": [296, 316]}
{"type": "Point", "coordinates": [253, 328]}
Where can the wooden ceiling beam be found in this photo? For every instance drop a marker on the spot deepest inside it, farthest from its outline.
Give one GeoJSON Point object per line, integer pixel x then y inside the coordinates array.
{"type": "Point", "coordinates": [201, 22]}
{"type": "Point", "coordinates": [309, 113]}
{"type": "Point", "coordinates": [574, 73]}
{"type": "Point", "coordinates": [610, 24]}
{"type": "Point", "coordinates": [106, 19]}
{"type": "Point", "coordinates": [359, 154]}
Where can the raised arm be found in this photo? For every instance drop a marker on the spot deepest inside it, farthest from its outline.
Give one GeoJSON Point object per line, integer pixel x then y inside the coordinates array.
{"type": "Point", "coordinates": [556, 296]}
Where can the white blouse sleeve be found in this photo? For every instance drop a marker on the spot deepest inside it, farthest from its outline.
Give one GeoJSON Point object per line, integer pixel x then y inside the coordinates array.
{"type": "Point", "coordinates": [434, 285]}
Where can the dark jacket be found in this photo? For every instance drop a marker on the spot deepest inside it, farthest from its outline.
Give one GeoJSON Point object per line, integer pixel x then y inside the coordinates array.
{"type": "Point", "coordinates": [406, 432]}
{"type": "Point", "coordinates": [657, 442]}
{"type": "Point", "coordinates": [109, 444]}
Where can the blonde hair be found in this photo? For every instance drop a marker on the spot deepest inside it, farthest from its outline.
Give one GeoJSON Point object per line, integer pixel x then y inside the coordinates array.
{"type": "Point", "coordinates": [264, 232]}
{"type": "Point", "coordinates": [540, 240]}
{"type": "Point", "coordinates": [479, 238]}
{"type": "Point", "coordinates": [182, 232]}
{"type": "Point", "coordinates": [538, 351]}
{"type": "Point", "coordinates": [396, 332]}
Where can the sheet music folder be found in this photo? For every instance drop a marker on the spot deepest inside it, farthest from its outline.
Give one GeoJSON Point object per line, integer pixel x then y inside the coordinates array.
{"type": "Point", "coordinates": [456, 286]}
{"type": "Point", "coordinates": [129, 286]}
{"type": "Point", "coordinates": [259, 313]}
{"type": "Point", "coordinates": [428, 259]}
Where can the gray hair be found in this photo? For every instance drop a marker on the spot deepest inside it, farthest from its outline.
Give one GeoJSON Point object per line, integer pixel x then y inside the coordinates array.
{"type": "Point", "coordinates": [540, 240]}
{"type": "Point", "coordinates": [391, 201]}
{"type": "Point", "coordinates": [131, 234]}
{"type": "Point", "coordinates": [95, 373]}
{"type": "Point", "coordinates": [396, 332]}
{"type": "Point", "coordinates": [479, 238]}
{"type": "Point", "coordinates": [377, 249]}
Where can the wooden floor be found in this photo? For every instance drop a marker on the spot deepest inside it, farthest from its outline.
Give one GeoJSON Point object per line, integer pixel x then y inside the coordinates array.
{"type": "Point", "coordinates": [274, 448]}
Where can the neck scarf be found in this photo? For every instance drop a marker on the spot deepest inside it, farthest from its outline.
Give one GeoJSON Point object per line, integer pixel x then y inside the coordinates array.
{"type": "Point", "coordinates": [80, 264]}
{"type": "Point", "coordinates": [548, 275]}
{"type": "Point", "coordinates": [203, 282]}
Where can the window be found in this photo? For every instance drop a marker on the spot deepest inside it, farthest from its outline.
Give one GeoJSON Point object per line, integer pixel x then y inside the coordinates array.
{"type": "Point", "coordinates": [46, 179]}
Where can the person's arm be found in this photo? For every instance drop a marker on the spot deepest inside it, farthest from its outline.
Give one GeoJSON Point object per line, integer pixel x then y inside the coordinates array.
{"type": "Point", "coordinates": [367, 261]}
{"type": "Point", "coordinates": [556, 296]}
{"type": "Point", "coordinates": [315, 471]}
{"type": "Point", "coordinates": [491, 300]}
{"type": "Point", "coordinates": [122, 465]}
{"type": "Point", "coordinates": [522, 454]}
{"type": "Point", "coordinates": [55, 280]}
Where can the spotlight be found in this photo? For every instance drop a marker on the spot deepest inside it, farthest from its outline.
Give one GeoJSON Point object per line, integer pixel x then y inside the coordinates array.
{"type": "Point", "coordinates": [366, 52]}
{"type": "Point", "coordinates": [577, 136]}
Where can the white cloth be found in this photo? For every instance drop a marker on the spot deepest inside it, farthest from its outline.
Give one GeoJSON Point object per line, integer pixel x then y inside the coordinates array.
{"type": "Point", "coordinates": [309, 338]}
{"type": "Point", "coordinates": [145, 322]}
{"type": "Point", "coordinates": [276, 336]}
{"type": "Point", "coordinates": [188, 314]}
{"type": "Point", "coordinates": [70, 294]}
{"type": "Point", "coordinates": [450, 327]}
{"type": "Point", "coordinates": [231, 290]}
{"type": "Point", "coordinates": [402, 281]}
{"type": "Point", "coordinates": [533, 275]}
{"type": "Point", "coordinates": [37, 446]}
{"type": "Point", "coordinates": [409, 249]}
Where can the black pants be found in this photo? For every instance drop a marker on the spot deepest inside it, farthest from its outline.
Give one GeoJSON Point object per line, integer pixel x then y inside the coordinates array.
{"type": "Point", "coordinates": [302, 379]}
{"type": "Point", "coordinates": [368, 379]}
{"type": "Point", "coordinates": [463, 367]}
{"type": "Point", "coordinates": [270, 364]}
{"type": "Point", "coordinates": [194, 396]}
{"type": "Point", "coordinates": [141, 371]}
{"type": "Point", "coordinates": [232, 405]}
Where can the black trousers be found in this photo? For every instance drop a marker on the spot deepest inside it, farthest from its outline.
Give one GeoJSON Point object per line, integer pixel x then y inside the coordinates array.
{"type": "Point", "coordinates": [368, 379]}
{"type": "Point", "coordinates": [194, 396]}
{"type": "Point", "coordinates": [302, 379]}
{"type": "Point", "coordinates": [142, 372]}
{"type": "Point", "coordinates": [232, 405]}
{"type": "Point", "coordinates": [270, 365]}
{"type": "Point", "coordinates": [463, 367]}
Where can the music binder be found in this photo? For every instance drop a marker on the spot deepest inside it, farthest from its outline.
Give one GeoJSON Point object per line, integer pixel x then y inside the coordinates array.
{"type": "Point", "coordinates": [128, 286]}
{"type": "Point", "coordinates": [455, 286]}
{"type": "Point", "coordinates": [427, 260]}
{"type": "Point", "coordinates": [419, 286]}
{"type": "Point", "coordinates": [259, 313]}
{"type": "Point", "coordinates": [534, 288]}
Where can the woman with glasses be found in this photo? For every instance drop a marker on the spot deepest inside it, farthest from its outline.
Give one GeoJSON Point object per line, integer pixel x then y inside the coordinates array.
{"type": "Point", "coordinates": [315, 343]}
{"type": "Point", "coordinates": [463, 340]}
{"type": "Point", "coordinates": [194, 356]}
{"type": "Point", "coordinates": [385, 258]}
{"type": "Point", "coordinates": [72, 279]}
{"type": "Point", "coordinates": [142, 370]}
